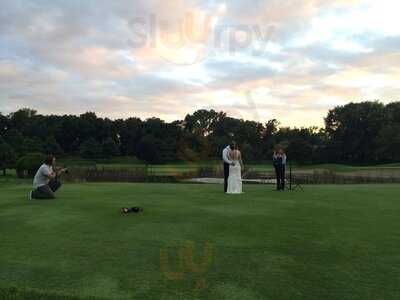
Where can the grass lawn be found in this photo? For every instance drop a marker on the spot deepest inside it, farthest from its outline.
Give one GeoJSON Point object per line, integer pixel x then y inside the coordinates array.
{"type": "Point", "coordinates": [329, 242]}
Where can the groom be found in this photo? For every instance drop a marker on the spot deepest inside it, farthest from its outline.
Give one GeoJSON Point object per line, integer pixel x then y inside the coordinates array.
{"type": "Point", "coordinates": [227, 163]}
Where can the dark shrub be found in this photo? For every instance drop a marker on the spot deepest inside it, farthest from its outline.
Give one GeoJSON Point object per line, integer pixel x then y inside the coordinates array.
{"type": "Point", "coordinates": [28, 165]}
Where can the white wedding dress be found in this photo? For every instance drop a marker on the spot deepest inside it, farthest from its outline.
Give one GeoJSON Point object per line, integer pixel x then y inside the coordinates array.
{"type": "Point", "coordinates": [235, 178]}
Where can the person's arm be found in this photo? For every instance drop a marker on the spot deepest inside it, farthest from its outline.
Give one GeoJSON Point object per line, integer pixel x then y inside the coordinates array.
{"type": "Point", "coordinates": [49, 173]}
{"type": "Point", "coordinates": [225, 157]}
{"type": "Point", "coordinates": [241, 161]}
{"type": "Point", "coordinates": [284, 159]}
{"type": "Point", "coordinates": [60, 171]}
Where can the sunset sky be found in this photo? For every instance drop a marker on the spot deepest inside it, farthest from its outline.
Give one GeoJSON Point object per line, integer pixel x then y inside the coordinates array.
{"type": "Point", "coordinates": [261, 59]}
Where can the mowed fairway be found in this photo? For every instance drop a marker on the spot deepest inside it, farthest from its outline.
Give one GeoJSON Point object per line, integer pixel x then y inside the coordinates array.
{"type": "Point", "coordinates": [328, 242]}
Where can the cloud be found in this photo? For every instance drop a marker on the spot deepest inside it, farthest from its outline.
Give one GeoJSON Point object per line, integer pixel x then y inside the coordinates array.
{"type": "Point", "coordinates": [166, 58]}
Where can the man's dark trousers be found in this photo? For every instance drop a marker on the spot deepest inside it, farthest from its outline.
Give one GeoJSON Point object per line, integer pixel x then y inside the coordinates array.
{"type": "Point", "coordinates": [47, 191]}
{"type": "Point", "coordinates": [280, 177]}
{"type": "Point", "coordinates": [226, 176]}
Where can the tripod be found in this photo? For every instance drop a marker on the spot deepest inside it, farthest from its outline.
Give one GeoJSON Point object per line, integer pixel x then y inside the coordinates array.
{"type": "Point", "coordinates": [293, 185]}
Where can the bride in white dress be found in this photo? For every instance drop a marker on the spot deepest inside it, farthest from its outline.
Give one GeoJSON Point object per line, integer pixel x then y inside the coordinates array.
{"type": "Point", "coordinates": [235, 172]}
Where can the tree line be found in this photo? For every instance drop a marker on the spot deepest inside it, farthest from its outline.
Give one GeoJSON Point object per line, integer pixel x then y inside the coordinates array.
{"type": "Point", "coordinates": [359, 133]}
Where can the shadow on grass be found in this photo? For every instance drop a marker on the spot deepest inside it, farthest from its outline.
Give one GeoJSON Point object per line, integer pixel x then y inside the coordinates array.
{"type": "Point", "coordinates": [28, 294]}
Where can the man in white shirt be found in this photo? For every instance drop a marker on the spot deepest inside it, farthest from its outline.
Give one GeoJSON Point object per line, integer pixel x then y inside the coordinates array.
{"type": "Point", "coordinates": [46, 183]}
{"type": "Point", "coordinates": [227, 164]}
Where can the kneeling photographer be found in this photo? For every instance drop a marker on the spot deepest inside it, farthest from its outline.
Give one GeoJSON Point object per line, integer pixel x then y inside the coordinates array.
{"type": "Point", "coordinates": [46, 181]}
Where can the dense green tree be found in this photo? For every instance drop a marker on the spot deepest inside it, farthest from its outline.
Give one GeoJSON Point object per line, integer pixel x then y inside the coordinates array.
{"type": "Point", "coordinates": [389, 143]}
{"type": "Point", "coordinates": [300, 151]}
{"type": "Point", "coordinates": [31, 145]}
{"type": "Point", "coordinates": [14, 138]}
{"type": "Point", "coordinates": [4, 123]}
{"type": "Point", "coordinates": [110, 148]}
{"type": "Point", "coordinates": [51, 146]}
{"type": "Point", "coordinates": [247, 152]}
{"type": "Point", "coordinates": [203, 122]}
{"type": "Point", "coordinates": [91, 149]}
{"type": "Point", "coordinates": [267, 139]}
{"type": "Point", "coordinates": [353, 130]}
{"type": "Point", "coordinates": [68, 134]}
{"type": "Point", "coordinates": [389, 136]}
{"type": "Point", "coordinates": [130, 132]}
{"type": "Point", "coordinates": [7, 156]}
{"type": "Point", "coordinates": [191, 147]}
{"type": "Point", "coordinates": [364, 132]}
{"type": "Point", "coordinates": [148, 149]}
{"type": "Point", "coordinates": [250, 133]}
{"type": "Point", "coordinates": [392, 113]}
